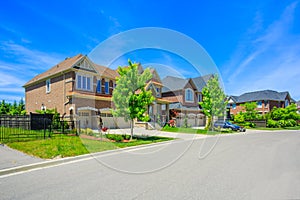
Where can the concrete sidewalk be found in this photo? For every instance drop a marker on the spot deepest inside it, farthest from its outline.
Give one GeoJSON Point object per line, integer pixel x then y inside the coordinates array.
{"type": "Point", "coordinates": [12, 158]}
{"type": "Point", "coordinates": [143, 131]}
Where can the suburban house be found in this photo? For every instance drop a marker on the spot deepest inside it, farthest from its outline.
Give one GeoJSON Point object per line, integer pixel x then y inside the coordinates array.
{"type": "Point", "coordinates": [266, 100]}
{"type": "Point", "coordinates": [185, 95]}
{"type": "Point", "coordinates": [298, 106]}
{"type": "Point", "coordinates": [80, 89]}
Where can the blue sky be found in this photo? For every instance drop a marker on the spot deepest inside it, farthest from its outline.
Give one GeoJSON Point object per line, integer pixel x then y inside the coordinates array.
{"type": "Point", "coordinates": [255, 44]}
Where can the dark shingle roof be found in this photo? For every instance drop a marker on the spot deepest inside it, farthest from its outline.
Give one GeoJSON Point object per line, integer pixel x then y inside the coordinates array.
{"type": "Point", "coordinates": [260, 95]}
{"type": "Point", "coordinates": [172, 83]}
{"type": "Point", "coordinates": [201, 81]}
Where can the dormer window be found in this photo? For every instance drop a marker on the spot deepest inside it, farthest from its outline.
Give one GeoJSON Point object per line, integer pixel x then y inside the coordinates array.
{"type": "Point", "coordinates": [189, 95]}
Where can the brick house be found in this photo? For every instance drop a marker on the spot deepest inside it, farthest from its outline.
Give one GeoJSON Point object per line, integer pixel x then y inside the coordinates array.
{"type": "Point", "coordinates": [79, 88]}
{"type": "Point", "coordinates": [185, 95]}
{"type": "Point", "coordinates": [266, 100]}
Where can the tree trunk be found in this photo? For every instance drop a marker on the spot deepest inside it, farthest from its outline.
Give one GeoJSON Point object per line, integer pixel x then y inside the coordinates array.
{"type": "Point", "coordinates": [131, 129]}
{"type": "Point", "coordinates": [208, 123]}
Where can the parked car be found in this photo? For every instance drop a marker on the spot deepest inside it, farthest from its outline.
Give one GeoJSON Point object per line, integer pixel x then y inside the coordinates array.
{"type": "Point", "coordinates": [226, 124]}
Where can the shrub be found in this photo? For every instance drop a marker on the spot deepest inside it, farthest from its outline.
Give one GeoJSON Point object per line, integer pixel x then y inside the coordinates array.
{"type": "Point", "coordinates": [249, 125]}
{"type": "Point", "coordinates": [282, 123]}
{"type": "Point", "coordinates": [290, 123]}
{"type": "Point", "coordinates": [272, 123]}
{"type": "Point", "coordinates": [239, 118]}
{"type": "Point", "coordinates": [185, 123]}
{"type": "Point", "coordinates": [115, 137]}
{"type": "Point", "coordinates": [126, 137]}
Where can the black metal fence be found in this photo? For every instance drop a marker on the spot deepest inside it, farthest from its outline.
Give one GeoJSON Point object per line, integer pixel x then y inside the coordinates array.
{"type": "Point", "coordinates": [34, 126]}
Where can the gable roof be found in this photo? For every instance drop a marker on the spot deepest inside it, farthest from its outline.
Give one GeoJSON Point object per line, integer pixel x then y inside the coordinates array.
{"type": "Point", "coordinates": [69, 63]}
{"type": "Point", "coordinates": [106, 72]}
{"type": "Point", "coordinates": [172, 83]}
{"type": "Point", "coordinates": [201, 81]}
{"type": "Point", "coordinates": [261, 95]}
{"type": "Point", "coordinates": [60, 67]}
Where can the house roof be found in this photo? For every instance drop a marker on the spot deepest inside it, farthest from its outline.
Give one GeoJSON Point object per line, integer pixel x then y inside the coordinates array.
{"type": "Point", "coordinates": [68, 63]}
{"type": "Point", "coordinates": [106, 72]}
{"type": "Point", "coordinates": [201, 81]}
{"type": "Point", "coordinates": [260, 95]}
{"type": "Point", "coordinates": [60, 67]}
{"type": "Point", "coordinates": [172, 83]}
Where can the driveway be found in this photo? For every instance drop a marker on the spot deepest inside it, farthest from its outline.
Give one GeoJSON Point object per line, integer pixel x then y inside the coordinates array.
{"type": "Point", "coordinates": [12, 158]}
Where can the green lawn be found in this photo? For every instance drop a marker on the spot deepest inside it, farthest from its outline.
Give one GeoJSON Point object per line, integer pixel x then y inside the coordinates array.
{"type": "Point", "coordinates": [277, 129]}
{"type": "Point", "coordinates": [194, 131]}
{"type": "Point", "coordinates": [65, 146]}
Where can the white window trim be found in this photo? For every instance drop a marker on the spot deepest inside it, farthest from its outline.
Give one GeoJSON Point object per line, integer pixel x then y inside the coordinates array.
{"type": "Point", "coordinates": [86, 80]}
{"type": "Point", "coordinates": [185, 98]}
{"type": "Point", "coordinates": [259, 106]}
{"type": "Point", "coordinates": [48, 90]}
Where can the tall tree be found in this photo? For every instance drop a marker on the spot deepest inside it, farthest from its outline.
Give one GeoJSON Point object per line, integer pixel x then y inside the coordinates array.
{"type": "Point", "coordinates": [250, 111]}
{"type": "Point", "coordinates": [213, 103]}
{"type": "Point", "coordinates": [129, 96]}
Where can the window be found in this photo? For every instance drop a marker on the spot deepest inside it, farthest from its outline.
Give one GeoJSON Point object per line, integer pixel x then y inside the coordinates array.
{"type": "Point", "coordinates": [98, 86]}
{"type": "Point", "coordinates": [234, 106]}
{"type": "Point", "coordinates": [266, 103]}
{"type": "Point", "coordinates": [84, 82]}
{"type": "Point", "coordinates": [189, 95]}
{"type": "Point", "coordinates": [259, 104]}
{"type": "Point", "coordinates": [48, 86]}
{"type": "Point", "coordinates": [106, 87]}
{"type": "Point", "coordinates": [78, 81]}
{"type": "Point", "coordinates": [286, 103]}
{"type": "Point", "coordinates": [88, 83]}
{"type": "Point", "coordinates": [199, 97]}
{"type": "Point", "coordinates": [158, 92]}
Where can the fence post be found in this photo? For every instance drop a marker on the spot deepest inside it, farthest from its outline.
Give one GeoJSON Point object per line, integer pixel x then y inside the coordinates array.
{"type": "Point", "coordinates": [44, 127]}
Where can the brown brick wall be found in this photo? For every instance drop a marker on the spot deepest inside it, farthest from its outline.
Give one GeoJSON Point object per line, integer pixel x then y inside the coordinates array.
{"type": "Point", "coordinates": [264, 109]}
{"type": "Point", "coordinates": [36, 95]}
{"type": "Point", "coordinates": [188, 85]}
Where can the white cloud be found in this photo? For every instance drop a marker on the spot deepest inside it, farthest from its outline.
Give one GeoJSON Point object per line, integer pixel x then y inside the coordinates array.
{"type": "Point", "coordinates": [272, 63]}
{"type": "Point", "coordinates": [23, 65]}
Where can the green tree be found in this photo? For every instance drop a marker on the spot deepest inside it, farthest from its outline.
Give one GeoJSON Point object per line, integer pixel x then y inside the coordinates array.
{"type": "Point", "coordinates": [4, 109]}
{"type": "Point", "coordinates": [250, 111]}
{"type": "Point", "coordinates": [214, 103]}
{"type": "Point", "coordinates": [129, 96]}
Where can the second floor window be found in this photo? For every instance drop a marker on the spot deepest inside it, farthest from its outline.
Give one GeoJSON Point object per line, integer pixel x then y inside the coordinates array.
{"type": "Point", "coordinates": [259, 104]}
{"type": "Point", "coordinates": [84, 82]}
{"type": "Point", "coordinates": [199, 97]}
{"type": "Point", "coordinates": [48, 86]}
{"type": "Point", "coordinates": [234, 106]}
{"type": "Point", "coordinates": [266, 103]}
{"type": "Point", "coordinates": [106, 87]}
{"type": "Point", "coordinates": [158, 92]}
{"type": "Point", "coordinates": [189, 95]}
{"type": "Point", "coordinates": [98, 86]}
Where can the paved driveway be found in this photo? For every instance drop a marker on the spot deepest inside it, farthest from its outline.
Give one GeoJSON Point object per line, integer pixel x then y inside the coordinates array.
{"type": "Point", "coordinates": [11, 158]}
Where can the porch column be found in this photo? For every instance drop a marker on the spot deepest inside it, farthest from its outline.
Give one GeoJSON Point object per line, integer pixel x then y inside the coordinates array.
{"type": "Point", "coordinates": [168, 112]}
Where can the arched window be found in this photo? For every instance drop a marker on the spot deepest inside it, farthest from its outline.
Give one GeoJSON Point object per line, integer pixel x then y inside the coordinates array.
{"type": "Point", "coordinates": [189, 95]}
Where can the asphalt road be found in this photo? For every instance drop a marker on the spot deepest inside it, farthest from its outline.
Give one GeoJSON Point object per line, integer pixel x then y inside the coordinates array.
{"type": "Point", "coordinates": [250, 166]}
